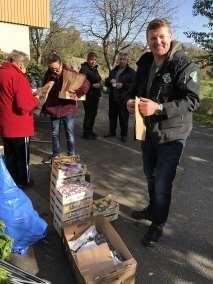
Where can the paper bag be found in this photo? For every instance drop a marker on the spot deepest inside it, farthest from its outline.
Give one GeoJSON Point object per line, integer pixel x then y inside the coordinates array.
{"type": "Point", "coordinates": [140, 128]}
{"type": "Point", "coordinates": [72, 81]}
{"type": "Point", "coordinates": [43, 94]}
{"type": "Point", "coordinates": [95, 260]}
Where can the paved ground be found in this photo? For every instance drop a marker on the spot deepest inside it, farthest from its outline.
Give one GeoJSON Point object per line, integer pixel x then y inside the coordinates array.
{"type": "Point", "coordinates": [185, 254]}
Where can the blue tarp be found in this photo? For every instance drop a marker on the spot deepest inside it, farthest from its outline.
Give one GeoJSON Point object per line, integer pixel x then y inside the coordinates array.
{"type": "Point", "coordinates": [23, 223]}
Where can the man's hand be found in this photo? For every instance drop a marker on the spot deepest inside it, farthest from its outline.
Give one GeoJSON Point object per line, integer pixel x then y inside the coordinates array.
{"type": "Point", "coordinates": [147, 107]}
{"type": "Point", "coordinates": [131, 106]}
{"type": "Point", "coordinates": [37, 97]}
{"type": "Point", "coordinates": [119, 85]}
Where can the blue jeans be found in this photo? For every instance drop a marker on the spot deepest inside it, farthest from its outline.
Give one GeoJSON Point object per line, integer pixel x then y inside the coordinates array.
{"type": "Point", "coordinates": [160, 165]}
{"type": "Point", "coordinates": [68, 122]}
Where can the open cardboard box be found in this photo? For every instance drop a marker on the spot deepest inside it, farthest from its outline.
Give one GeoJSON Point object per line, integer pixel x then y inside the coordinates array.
{"type": "Point", "coordinates": [94, 265]}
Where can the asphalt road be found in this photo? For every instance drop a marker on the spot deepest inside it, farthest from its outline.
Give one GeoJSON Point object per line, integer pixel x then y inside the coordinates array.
{"type": "Point", "coordinates": [185, 252]}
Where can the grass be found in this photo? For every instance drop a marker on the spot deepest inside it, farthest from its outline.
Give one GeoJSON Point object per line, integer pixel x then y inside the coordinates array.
{"type": "Point", "coordinates": [203, 118]}
{"type": "Point", "coordinates": [205, 113]}
{"type": "Point", "coordinates": [206, 89]}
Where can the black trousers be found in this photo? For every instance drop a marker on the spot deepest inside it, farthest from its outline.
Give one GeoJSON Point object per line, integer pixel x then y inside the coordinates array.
{"type": "Point", "coordinates": [117, 109]}
{"type": "Point", "coordinates": [17, 156]}
{"type": "Point", "coordinates": [160, 163]}
{"type": "Point", "coordinates": [91, 109]}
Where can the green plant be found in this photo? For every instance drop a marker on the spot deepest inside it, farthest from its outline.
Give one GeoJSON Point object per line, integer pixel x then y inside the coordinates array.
{"type": "Point", "coordinates": [4, 276]}
{"type": "Point", "coordinates": [35, 74]}
{"type": "Point", "coordinates": [6, 243]}
{"type": "Point", "coordinates": [2, 56]}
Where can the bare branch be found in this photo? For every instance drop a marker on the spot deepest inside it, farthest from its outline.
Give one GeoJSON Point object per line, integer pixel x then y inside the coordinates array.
{"type": "Point", "coordinates": [118, 23]}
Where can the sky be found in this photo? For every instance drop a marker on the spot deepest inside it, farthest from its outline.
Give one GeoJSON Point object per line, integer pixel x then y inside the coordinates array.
{"type": "Point", "coordinates": [185, 21]}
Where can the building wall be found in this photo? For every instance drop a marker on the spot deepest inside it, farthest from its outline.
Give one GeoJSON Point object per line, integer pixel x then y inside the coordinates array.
{"type": "Point", "coordinates": [14, 37]}
{"type": "Point", "coordinates": [35, 13]}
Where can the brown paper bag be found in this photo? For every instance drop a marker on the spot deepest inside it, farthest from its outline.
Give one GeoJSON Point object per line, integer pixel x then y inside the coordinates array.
{"type": "Point", "coordinates": [140, 128]}
{"type": "Point", "coordinates": [95, 260]}
{"type": "Point", "coordinates": [72, 81]}
{"type": "Point", "coordinates": [43, 94]}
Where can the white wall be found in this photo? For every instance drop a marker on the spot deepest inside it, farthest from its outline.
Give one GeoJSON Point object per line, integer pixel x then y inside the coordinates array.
{"type": "Point", "coordinates": [14, 37]}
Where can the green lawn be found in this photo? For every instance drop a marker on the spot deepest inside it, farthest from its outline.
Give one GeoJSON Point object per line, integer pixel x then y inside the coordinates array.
{"type": "Point", "coordinates": [206, 88]}
{"type": "Point", "coordinates": [205, 113]}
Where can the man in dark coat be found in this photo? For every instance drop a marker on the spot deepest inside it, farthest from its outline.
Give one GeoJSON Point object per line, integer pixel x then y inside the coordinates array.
{"type": "Point", "coordinates": [119, 83]}
{"type": "Point", "coordinates": [90, 69]}
{"type": "Point", "coordinates": [167, 83]}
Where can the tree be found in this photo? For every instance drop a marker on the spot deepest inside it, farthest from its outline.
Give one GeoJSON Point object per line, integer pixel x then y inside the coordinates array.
{"type": "Point", "coordinates": [41, 39]}
{"type": "Point", "coordinates": [204, 39]}
{"type": "Point", "coordinates": [116, 24]}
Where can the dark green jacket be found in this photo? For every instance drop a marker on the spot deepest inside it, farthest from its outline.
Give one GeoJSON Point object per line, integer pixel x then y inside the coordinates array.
{"type": "Point", "coordinates": [176, 86]}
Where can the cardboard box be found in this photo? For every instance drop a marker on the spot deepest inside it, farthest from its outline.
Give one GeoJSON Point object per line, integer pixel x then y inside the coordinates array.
{"type": "Point", "coordinates": [95, 266]}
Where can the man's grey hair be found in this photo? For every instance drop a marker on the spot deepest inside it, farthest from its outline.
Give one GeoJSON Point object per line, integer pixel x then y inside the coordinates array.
{"type": "Point", "coordinates": [18, 57]}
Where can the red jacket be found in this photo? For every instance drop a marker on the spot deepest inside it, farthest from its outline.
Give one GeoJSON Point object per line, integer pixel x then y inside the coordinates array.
{"type": "Point", "coordinates": [16, 103]}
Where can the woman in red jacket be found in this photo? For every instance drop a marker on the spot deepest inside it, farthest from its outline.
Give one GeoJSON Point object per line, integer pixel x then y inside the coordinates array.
{"type": "Point", "coordinates": [16, 116]}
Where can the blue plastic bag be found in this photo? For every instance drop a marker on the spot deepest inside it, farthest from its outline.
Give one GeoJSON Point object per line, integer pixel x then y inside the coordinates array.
{"type": "Point", "coordinates": [23, 223]}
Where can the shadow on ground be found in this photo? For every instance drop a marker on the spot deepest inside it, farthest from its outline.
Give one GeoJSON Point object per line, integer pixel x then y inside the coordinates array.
{"type": "Point", "coordinates": [184, 254]}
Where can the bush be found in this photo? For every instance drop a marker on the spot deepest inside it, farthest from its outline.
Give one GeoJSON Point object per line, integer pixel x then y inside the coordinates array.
{"type": "Point", "coordinates": [206, 106]}
{"type": "Point", "coordinates": [35, 74]}
{"type": "Point", "coordinates": [2, 56]}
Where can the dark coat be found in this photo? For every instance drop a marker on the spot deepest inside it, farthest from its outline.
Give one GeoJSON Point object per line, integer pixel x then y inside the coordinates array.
{"type": "Point", "coordinates": [93, 77]}
{"type": "Point", "coordinates": [126, 78]}
{"type": "Point", "coordinates": [176, 87]}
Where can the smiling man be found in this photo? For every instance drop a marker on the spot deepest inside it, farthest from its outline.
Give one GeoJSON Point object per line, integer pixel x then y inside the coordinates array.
{"type": "Point", "coordinates": [168, 87]}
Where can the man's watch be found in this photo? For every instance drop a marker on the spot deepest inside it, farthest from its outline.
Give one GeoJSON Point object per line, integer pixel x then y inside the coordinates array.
{"type": "Point", "coordinates": [159, 109]}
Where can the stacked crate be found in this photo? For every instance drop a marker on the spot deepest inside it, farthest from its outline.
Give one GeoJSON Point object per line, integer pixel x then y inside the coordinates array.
{"type": "Point", "coordinates": [106, 207]}
{"type": "Point", "coordinates": [71, 195]}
